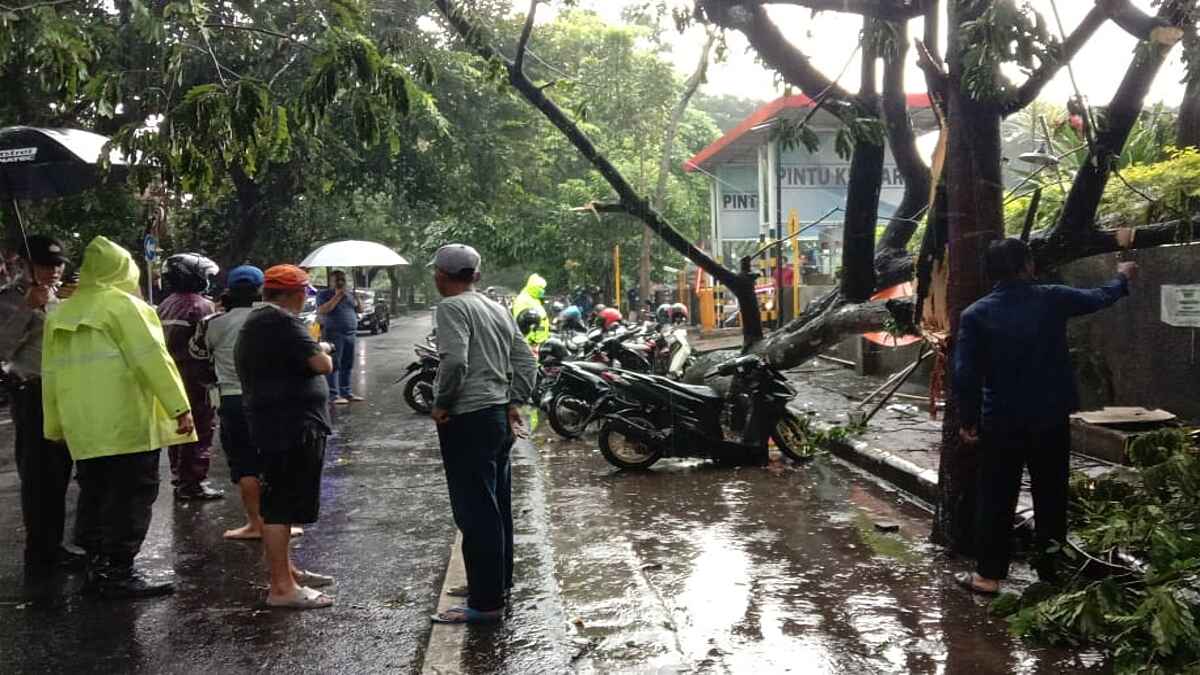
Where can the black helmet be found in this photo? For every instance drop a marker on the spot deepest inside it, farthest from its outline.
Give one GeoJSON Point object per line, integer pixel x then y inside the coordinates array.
{"type": "Point", "coordinates": [556, 308]}
{"type": "Point", "coordinates": [663, 314]}
{"type": "Point", "coordinates": [552, 351]}
{"type": "Point", "coordinates": [679, 313]}
{"type": "Point", "coordinates": [529, 319]}
{"type": "Point", "coordinates": [188, 273]}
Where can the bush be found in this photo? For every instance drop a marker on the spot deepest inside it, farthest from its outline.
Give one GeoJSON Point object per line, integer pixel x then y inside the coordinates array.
{"type": "Point", "coordinates": [1136, 546]}
{"type": "Point", "coordinates": [1170, 183]}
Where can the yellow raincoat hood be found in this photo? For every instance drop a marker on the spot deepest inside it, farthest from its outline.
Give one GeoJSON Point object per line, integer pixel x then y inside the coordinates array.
{"type": "Point", "coordinates": [531, 297]}
{"type": "Point", "coordinates": [109, 386]}
{"type": "Point", "coordinates": [535, 286]}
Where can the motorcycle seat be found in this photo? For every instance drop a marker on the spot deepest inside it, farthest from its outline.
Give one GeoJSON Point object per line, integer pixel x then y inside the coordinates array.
{"type": "Point", "coordinates": [694, 389]}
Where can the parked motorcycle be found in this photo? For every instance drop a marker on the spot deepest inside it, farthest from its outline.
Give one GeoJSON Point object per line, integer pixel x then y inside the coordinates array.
{"type": "Point", "coordinates": [578, 396]}
{"type": "Point", "coordinates": [652, 417]}
{"type": "Point", "coordinates": [421, 374]}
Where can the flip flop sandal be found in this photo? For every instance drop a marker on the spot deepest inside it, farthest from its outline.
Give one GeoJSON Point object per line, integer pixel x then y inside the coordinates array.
{"type": "Point", "coordinates": [313, 580]}
{"type": "Point", "coordinates": [305, 598]}
{"type": "Point", "coordinates": [467, 615]}
{"type": "Point", "coordinates": [458, 591]}
{"type": "Point", "coordinates": [967, 580]}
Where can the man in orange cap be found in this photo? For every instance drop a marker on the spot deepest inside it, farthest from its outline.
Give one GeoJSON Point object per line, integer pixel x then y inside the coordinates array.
{"type": "Point", "coordinates": [285, 396]}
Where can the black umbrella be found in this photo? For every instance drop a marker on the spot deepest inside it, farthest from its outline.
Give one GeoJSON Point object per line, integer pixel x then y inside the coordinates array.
{"type": "Point", "coordinates": [38, 163]}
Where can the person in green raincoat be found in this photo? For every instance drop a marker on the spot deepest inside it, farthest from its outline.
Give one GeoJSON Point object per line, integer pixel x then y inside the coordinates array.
{"type": "Point", "coordinates": [111, 390]}
{"type": "Point", "coordinates": [530, 301]}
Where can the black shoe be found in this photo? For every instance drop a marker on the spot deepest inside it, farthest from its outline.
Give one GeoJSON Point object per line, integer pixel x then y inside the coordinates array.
{"type": "Point", "coordinates": [199, 492]}
{"type": "Point", "coordinates": [132, 584]}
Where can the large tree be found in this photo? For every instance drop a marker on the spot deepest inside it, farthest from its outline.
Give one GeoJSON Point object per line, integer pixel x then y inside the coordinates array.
{"type": "Point", "coordinates": [234, 105]}
{"type": "Point", "coordinates": [969, 88]}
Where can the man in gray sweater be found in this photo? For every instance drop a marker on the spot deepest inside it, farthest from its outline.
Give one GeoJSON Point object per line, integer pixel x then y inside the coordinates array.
{"type": "Point", "coordinates": [487, 371]}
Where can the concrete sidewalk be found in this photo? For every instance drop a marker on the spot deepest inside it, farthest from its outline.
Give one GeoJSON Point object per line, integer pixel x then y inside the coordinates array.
{"type": "Point", "coordinates": [901, 444]}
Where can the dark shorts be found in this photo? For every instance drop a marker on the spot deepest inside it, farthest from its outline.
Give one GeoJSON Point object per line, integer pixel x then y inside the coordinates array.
{"type": "Point", "coordinates": [240, 450]}
{"type": "Point", "coordinates": [291, 480]}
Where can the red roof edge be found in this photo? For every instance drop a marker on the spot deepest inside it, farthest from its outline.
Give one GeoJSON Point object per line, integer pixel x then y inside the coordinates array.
{"type": "Point", "coordinates": [765, 113]}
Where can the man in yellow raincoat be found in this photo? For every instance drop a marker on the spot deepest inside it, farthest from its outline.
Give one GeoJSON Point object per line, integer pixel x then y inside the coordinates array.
{"type": "Point", "coordinates": [535, 325]}
{"type": "Point", "coordinates": [111, 391]}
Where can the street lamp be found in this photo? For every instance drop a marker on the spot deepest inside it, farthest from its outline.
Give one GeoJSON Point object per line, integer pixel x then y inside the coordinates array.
{"type": "Point", "coordinates": [1040, 157]}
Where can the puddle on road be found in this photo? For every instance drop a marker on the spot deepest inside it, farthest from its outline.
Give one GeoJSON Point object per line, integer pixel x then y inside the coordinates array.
{"type": "Point", "coordinates": [695, 568]}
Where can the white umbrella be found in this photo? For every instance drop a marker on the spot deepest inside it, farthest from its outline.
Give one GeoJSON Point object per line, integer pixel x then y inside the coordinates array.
{"type": "Point", "coordinates": [353, 254]}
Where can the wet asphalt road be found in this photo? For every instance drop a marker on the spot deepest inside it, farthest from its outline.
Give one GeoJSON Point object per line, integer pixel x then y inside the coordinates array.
{"type": "Point", "coordinates": [686, 568]}
{"type": "Point", "coordinates": [696, 568]}
{"type": "Point", "coordinates": [384, 533]}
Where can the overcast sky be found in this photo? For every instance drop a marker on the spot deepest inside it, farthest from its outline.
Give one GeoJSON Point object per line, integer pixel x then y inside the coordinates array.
{"type": "Point", "coordinates": [829, 39]}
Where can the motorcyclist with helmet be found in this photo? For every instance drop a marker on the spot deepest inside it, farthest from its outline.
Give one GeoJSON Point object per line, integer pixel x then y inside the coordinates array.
{"type": "Point", "coordinates": [570, 319]}
{"type": "Point", "coordinates": [662, 315]}
{"type": "Point", "coordinates": [679, 314]}
{"type": "Point", "coordinates": [187, 277]}
{"type": "Point", "coordinates": [608, 318]}
{"type": "Point", "coordinates": [536, 326]}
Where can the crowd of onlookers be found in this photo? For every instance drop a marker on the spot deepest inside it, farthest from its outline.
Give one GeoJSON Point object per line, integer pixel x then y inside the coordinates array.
{"type": "Point", "coordinates": [100, 382]}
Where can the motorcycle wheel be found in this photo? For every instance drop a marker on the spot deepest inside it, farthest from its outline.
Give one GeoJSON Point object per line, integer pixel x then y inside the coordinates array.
{"type": "Point", "coordinates": [791, 437]}
{"type": "Point", "coordinates": [564, 416]}
{"type": "Point", "coordinates": [418, 392]}
{"type": "Point", "coordinates": [627, 453]}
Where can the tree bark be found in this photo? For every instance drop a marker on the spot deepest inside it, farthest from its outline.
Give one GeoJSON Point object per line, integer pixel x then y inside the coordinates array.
{"type": "Point", "coordinates": [251, 211]}
{"type": "Point", "coordinates": [975, 188]}
{"type": "Point", "coordinates": [893, 262]}
{"type": "Point", "coordinates": [1188, 124]}
{"type": "Point", "coordinates": [862, 191]}
{"type": "Point", "coordinates": [664, 165]}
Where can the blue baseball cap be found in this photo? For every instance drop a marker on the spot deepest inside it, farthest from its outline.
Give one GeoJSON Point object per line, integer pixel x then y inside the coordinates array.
{"type": "Point", "coordinates": [245, 275]}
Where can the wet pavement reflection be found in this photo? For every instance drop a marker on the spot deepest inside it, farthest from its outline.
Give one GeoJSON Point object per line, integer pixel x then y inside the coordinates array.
{"type": "Point", "coordinates": [813, 569]}
{"type": "Point", "coordinates": [384, 534]}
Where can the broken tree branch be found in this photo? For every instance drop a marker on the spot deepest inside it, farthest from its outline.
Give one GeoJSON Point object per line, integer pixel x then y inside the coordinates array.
{"type": "Point", "coordinates": [775, 49]}
{"type": "Point", "coordinates": [886, 10]}
{"type": "Point", "coordinates": [799, 342]}
{"type": "Point", "coordinates": [1139, 24]}
{"type": "Point", "coordinates": [1054, 248]}
{"type": "Point", "coordinates": [741, 283]}
{"type": "Point", "coordinates": [1114, 127]}
{"type": "Point", "coordinates": [1029, 90]}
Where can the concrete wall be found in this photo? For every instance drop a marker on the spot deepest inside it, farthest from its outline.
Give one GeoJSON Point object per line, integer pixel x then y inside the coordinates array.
{"type": "Point", "coordinates": [1126, 355]}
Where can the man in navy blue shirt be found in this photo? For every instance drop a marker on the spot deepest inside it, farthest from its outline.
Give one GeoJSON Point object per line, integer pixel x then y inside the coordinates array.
{"type": "Point", "coordinates": [338, 308]}
{"type": "Point", "coordinates": [1016, 390]}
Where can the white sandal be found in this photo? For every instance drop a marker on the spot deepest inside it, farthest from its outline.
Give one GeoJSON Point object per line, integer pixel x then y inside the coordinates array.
{"type": "Point", "coordinates": [304, 598]}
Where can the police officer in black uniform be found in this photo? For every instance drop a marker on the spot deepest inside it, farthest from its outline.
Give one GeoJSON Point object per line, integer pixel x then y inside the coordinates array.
{"type": "Point", "coordinates": [44, 467]}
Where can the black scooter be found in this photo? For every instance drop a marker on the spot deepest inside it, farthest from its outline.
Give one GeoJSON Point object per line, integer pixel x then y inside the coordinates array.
{"type": "Point", "coordinates": [577, 397]}
{"type": "Point", "coordinates": [655, 417]}
{"type": "Point", "coordinates": [421, 374]}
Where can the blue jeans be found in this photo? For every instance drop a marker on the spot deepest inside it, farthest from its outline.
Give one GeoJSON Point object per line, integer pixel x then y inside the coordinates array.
{"type": "Point", "coordinates": [475, 453]}
{"type": "Point", "coordinates": [343, 364]}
